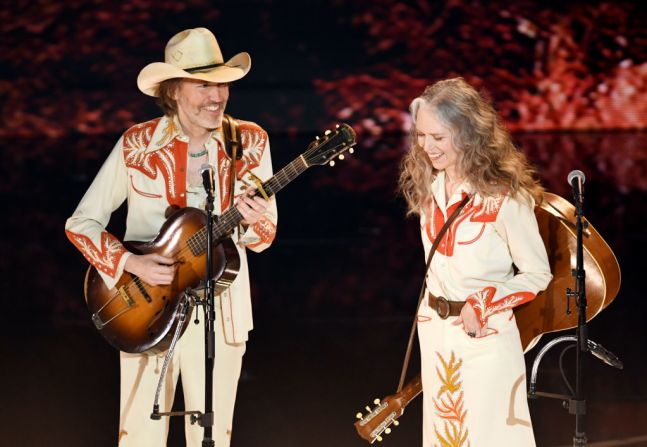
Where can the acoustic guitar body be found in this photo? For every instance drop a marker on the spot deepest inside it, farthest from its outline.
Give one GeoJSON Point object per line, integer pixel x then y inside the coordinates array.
{"type": "Point", "coordinates": [548, 311]}
{"type": "Point", "coordinates": [135, 317]}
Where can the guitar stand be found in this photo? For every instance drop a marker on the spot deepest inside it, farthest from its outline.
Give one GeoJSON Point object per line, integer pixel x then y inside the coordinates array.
{"type": "Point", "coordinates": [570, 402]}
{"type": "Point", "coordinates": [189, 299]}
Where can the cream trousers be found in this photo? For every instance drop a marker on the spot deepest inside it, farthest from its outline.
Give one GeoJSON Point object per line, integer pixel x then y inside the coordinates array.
{"type": "Point", "coordinates": [140, 375]}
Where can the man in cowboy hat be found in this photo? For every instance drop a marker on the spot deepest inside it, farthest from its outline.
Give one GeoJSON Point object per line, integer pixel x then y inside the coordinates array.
{"type": "Point", "coordinates": [155, 165]}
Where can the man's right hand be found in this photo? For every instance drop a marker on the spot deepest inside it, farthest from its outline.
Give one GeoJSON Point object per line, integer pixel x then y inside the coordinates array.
{"type": "Point", "coordinates": [153, 269]}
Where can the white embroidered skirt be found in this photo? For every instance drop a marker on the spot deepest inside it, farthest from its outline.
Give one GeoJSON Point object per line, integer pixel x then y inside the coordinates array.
{"type": "Point", "coordinates": [474, 389]}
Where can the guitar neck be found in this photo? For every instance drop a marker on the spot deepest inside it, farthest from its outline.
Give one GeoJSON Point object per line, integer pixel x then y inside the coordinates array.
{"type": "Point", "coordinates": [226, 222]}
{"type": "Point", "coordinates": [410, 391]}
{"type": "Point", "coordinates": [319, 152]}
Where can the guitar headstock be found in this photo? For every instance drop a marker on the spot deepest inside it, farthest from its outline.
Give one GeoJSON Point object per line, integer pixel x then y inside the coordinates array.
{"type": "Point", "coordinates": [333, 144]}
{"type": "Point", "coordinates": [378, 420]}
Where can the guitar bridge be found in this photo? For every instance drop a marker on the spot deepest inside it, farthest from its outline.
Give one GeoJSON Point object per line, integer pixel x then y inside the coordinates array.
{"type": "Point", "coordinates": [129, 301]}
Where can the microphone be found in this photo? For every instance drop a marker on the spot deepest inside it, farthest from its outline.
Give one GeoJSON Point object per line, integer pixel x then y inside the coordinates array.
{"type": "Point", "coordinates": [206, 171]}
{"type": "Point", "coordinates": [605, 355]}
{"type": "Point", "coordinates": [576, 179]}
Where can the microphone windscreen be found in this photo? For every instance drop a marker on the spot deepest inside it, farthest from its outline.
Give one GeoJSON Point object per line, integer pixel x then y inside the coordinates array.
{"type": "Point", "coordinates": [576, 174]}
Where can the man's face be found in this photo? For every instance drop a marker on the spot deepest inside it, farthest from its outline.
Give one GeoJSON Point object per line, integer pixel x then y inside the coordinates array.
{"type": "Point", "coordinates": [201, 105]}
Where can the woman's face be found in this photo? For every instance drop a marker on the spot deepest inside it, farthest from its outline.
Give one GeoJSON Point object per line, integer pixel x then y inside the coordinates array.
{"type": "Point", "coordinates": [436, 140]}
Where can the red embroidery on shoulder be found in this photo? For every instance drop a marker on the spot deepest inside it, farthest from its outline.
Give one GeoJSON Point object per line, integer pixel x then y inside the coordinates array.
{"type": "Point", "coordinates": [483, 304]}
{"type": "Point", "coordinates": [486, 209]}
{"type": "Point", "coordinates": [106, 259]}
{"type": "Point", "coordinates": [266, 229]}
{"type": "Point", "coordinates": [169, 159]}
{"type": "Point", "coordinates": [477, 210]}
{"type": "Point", "coordinates": [254, 140]}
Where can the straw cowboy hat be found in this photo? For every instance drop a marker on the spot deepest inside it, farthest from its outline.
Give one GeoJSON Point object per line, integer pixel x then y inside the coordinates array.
{"type": "Point", "coordinates": [193, 54]}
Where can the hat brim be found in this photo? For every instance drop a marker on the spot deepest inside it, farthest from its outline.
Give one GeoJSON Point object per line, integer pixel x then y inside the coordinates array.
{"type": "Point", "coordinates": [152, 74]}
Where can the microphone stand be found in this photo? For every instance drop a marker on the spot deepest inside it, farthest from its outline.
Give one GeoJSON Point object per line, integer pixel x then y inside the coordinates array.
{"type": "Point", "coordinates": [189, 298]}
{"type": "Point", "coordinates": [576, 402]}
{"type": "Point", "coordinates": [209, 335]}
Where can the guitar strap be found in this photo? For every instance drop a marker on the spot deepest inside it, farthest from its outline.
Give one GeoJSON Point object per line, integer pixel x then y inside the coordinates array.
{"type": "Point", "coordinates": [234, 150]}
{"type": "Point", "coordinates": [434, 246]}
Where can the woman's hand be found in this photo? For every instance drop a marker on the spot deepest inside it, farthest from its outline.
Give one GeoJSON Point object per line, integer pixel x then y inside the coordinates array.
{"type": "Point", "coordinates": [470, 322]}
{"type": "Point", "coordinates": [153, 268]}
{"type": "Point", "coordinates": [251, 208]}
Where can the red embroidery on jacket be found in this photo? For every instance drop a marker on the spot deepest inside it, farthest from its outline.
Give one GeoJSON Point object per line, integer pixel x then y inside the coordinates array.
{"type": "Point", "coordinates": [477, 210]}
{"type": "Point", "coordinates": [170, 159]}
{"type": "Point", "coordinates": [106, 259]}
{"type": "Point", "coordinates": [266, 229]}
{"type": "Point", "coordinates": [253, 139]}
{"type": "Point", "coordinates": [483, 304]}
{"type": "Point", "coordinates": [145, 194]}
{"type": "Point", "coordinates": [476, 238]}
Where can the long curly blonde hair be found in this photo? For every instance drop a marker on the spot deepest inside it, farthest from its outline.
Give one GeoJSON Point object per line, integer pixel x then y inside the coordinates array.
{"type": "Point", "coordinates": [488, 159]}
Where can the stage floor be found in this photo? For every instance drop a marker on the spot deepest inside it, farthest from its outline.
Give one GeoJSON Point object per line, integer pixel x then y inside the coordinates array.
{"type": "Point", "coordinates": [302, 383]}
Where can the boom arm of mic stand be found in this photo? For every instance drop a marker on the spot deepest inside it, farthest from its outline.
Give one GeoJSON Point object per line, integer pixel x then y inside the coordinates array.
{"type": "Point", "coordinates": [596, 349]}
{"type": "Point", "coordinates": [532, 393]}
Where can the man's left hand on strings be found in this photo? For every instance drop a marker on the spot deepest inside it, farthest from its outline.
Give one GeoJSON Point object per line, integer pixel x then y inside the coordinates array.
{"type": "Point", "coordinates": [250, 207]}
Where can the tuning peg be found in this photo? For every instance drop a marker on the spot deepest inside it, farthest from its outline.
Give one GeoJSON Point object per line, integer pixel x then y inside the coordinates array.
{"type": "Point", "coordinates": [396, 423]}
{"type": "Point", "coordinates": [327, 132]}
{"type": "Point", "coordinates": [387, 431]}
{"type": "Point", "coordinates": [332, 163]}
{"type": "Point", "coordinates": [351, 151]}
{"type": "Point", "coordinates": [379, 439]}
{"type": "Point", "coordinates": [368, 408]}
{"type": "Point", "coordinates": [341, 157]}
{"type": "Point", "coordinates": [376, 401]}
{"type": "Point", "coordinates": [337, 126]}
{"type": "Point", "coordinates": [359, 415]}
{"type": "Point", "coordinates": [317, 138]}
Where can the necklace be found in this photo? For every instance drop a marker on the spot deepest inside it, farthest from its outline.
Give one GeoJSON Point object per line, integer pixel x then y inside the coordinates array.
{"type": "Point", "coordinates": [198, 154]}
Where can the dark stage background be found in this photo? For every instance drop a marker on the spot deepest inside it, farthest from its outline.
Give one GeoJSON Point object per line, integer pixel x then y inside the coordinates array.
{"type": "Point", "coordinates": [334, 295]}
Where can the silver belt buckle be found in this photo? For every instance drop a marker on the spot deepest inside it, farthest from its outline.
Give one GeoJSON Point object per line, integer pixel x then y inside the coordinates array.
{"type": "Point", "coordinates": [445, 314]}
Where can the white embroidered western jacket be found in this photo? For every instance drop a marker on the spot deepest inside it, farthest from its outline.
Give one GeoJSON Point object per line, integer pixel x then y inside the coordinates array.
{"type": "Point", "coordinates": [474, 262]}
{"type": "Point", "coordinates": [147, 167]}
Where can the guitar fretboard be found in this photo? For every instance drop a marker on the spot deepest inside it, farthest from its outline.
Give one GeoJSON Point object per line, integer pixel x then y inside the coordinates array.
{"type": "Point", "coordinates": [227, 221]}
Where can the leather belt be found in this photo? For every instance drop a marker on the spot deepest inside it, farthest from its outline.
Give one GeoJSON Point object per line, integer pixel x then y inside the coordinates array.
{"type": "Point", "coordinates": [444, 307]}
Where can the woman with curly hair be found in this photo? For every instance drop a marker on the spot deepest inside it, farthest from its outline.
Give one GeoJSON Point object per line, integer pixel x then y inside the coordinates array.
{"type": "Point", "coordinates": [490, 260]}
